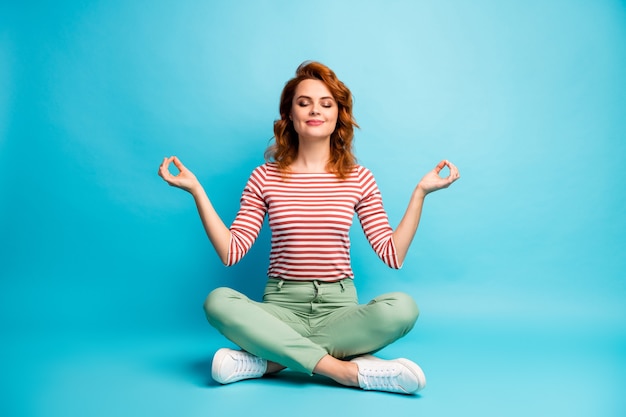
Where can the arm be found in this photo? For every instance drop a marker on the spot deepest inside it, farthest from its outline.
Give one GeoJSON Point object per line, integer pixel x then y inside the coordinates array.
{"type": "Point", "coordinates": [216, 230]}
{"type": "Point", "coordinates": [404, 233]}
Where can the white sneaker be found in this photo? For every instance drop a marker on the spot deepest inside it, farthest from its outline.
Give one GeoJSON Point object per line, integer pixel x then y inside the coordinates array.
{"type": "Point", "coordinates": [399, 375]}
{"type": "Point", "coordinates": [231, 365]}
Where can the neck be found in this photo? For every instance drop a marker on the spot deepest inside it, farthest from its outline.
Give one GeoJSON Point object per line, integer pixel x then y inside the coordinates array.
{"type": "Point", "coordinates": [312, 156]}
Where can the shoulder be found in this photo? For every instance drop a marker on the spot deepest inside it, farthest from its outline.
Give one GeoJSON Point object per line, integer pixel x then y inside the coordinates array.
{"type": "Point", "coordinates": [365, 180]}
{"type": "Point", "coordinates": [265, 169]}
{"type": "Point", "coordinates": [361, 172]}
{"type": "Point", "coordinates": [269, 168]}
{"type": "Point", "coordinates": [267, 172]}
{"type": "Point", "coordinates": [259, 174]}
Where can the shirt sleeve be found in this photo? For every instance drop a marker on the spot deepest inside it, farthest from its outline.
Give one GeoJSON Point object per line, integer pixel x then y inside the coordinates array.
{"type": "Point", "coordinates": [374, 220]}
{"type": "Point", "coordinates": [249, 220]}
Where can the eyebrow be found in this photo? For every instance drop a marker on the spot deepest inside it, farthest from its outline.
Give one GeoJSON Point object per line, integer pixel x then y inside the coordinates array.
{"type": "Point", "coordinates": [321, 98]}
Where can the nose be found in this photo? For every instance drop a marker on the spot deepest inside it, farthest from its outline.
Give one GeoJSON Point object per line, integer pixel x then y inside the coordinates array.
{"type": "Point", "coordinates": [314, 110]}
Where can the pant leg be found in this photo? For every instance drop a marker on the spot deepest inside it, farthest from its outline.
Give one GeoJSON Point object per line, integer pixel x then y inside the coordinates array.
{"type": "Point", "coordinates": [366, 328]}
{"type": "Point", "coordinates": [268, 331]}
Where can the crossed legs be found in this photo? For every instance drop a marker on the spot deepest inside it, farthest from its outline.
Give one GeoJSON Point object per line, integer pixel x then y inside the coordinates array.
{"type": "Point", "coordinates": [284, 338]}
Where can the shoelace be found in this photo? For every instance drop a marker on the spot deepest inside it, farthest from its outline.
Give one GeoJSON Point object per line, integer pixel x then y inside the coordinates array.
{"type": "Point", "coordinates": [247, 364]}
{"type": "Point", "coordinates": [381, 378]}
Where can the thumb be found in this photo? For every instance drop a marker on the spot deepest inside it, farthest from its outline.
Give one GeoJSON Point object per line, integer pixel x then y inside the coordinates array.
{"type": "Point", "coordinates": [441, 165]}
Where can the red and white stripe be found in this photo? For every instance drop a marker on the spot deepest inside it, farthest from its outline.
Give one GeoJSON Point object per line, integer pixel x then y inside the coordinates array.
{"type": "Point", "coordinates": [310, 217]}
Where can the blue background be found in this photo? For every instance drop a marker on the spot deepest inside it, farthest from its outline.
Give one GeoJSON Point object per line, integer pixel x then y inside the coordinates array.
{"type": "Point", "coordinates": [518, 268]}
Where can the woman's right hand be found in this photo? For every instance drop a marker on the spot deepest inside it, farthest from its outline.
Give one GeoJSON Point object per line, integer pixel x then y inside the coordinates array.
{"type": "Point", "coordinates": [184, 180]}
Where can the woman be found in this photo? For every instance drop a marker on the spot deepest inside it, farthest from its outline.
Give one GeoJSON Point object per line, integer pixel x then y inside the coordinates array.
{"type": "Point", "coordinates": [310, 320]}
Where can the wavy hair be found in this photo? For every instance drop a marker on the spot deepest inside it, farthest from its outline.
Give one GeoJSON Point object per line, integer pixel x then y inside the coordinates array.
{"type": "Point", "coordinates": [284, 150]}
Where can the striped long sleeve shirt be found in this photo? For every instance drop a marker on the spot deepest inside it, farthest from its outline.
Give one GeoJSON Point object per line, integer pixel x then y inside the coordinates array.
{"type": "Point", "coordinates": [310, 217]}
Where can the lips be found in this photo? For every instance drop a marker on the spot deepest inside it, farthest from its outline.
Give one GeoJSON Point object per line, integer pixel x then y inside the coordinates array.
{"type": "Point", "coordinates": [314, 122]}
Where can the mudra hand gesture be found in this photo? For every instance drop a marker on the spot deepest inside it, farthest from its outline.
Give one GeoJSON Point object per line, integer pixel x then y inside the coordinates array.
{"type": "Point", "coordinates": [433, 182]}
{"type": "Point", "coordinates": [185, 179]}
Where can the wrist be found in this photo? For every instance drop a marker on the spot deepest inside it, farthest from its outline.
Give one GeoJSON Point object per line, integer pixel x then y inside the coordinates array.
{"type": "Point", "coordinates": [196, 190]}
{"type": "Point", "coordinates": [419, 193]}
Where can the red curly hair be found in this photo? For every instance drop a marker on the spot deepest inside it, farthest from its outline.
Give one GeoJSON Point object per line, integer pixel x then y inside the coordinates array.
{"type": "Point", "coordinates": [284, 150]}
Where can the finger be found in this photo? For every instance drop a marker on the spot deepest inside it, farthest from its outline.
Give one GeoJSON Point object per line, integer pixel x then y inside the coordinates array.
{"type": "Point", "coordinates": [441, 165]}
{"type": "Point", "coordinates": [164, 171]}
{"type": "Point", "coordinates": [454, 175]}
{"type": "Point", "coordinates": [178, 164]}
{"type": "Point", "coordinates": [165, 174]}
{"type": "Point", "coordinates": [164, 163]}
{"type": "Point", "coordinates": [454, 171]}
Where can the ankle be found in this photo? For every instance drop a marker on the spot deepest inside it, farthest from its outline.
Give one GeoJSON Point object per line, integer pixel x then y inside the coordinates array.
{"type": "Point", "coordinates": [352, 374]}
{"type": "Point", "coordinates": [273, 367]}
{"type": "Point", "coordinates": [342, 372]}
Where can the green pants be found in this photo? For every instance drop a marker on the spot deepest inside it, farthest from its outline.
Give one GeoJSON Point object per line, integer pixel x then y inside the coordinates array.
{"type": "Point", "coordinates": [298, 323]}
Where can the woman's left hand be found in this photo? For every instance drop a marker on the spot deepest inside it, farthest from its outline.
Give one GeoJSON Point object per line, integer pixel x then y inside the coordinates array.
{"type": "Point", "coordinates": [433, 182]}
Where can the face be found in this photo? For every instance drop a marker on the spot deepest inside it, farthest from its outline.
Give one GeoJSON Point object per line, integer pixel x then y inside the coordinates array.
{"type": "Point", "coordinates": [313, 110]}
